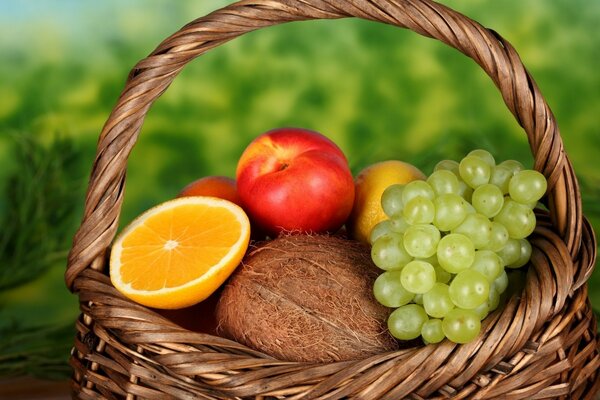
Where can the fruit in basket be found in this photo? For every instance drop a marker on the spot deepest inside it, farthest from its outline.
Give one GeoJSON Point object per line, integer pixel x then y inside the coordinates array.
{"type": "Point", "coordinates": [179, 252]}
{"type": "Point", "coordinates": [405, 322]}
{"type": "Point", "coordinates": [527, 186]}
{"type": "Point", "coordinates": [221, 187]}
{"type": "Point", "coordinates": [307, 298]}
{"type": "Point", "coordinates": [455, 243]}
{"type": "Point", "coordinates": [461, 326]}
{"type": "Point", "coordinates": [292, 179]}
{"type": "Point", "coordinates": [370, 185]}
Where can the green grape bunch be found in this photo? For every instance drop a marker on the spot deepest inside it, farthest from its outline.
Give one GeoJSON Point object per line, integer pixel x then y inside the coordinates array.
{"type": "Point", "coordinates": [448, 242]}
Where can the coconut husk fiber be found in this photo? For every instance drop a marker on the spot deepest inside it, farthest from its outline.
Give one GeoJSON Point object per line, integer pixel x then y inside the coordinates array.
{"type": "Point", "coordinates": [306, 298]}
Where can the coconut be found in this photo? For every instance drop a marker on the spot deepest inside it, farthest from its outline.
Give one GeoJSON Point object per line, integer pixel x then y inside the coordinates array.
{"type": "Point", "coordinates": [306, 298]}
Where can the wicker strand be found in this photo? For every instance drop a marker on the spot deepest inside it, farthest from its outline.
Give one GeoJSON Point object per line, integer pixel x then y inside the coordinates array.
{"type": "Point", "coordinates": [542, 344]}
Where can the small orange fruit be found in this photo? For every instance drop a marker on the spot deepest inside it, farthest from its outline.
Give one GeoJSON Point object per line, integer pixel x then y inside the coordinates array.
{"type": "Point", "coordinates": [179, 252]}
{"type": "Point", "coordinates": [214, 186]}
{"type": "Point", "coordinates": [370, 184]}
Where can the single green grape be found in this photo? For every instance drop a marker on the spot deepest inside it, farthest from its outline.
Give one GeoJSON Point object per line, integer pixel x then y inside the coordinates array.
{"type": "Point", "coordinates": [419, 210]}
{"type": "Point", "coordinates": [488, 200]}
{"type": "Point", "coordinates": [469, 289]}
{"type": "Point", "coordinates": [482, 310]}
{"type": "Point", "coordinates": [391, 200]}
{"type": "Point", "coordinates": [405, 322]}
{"type": "Point", "coordinates": [418, 299]}
{"type": "Point", "coordinates": [511, 252]}
{"type": "Point", "coordinates": [388, 252]}
{"type": "Point", "coordinates": [484, 155]}
{"type": "Point", "coordinates": [532, 205]}
{"type": "Point", "coordinates": [447, 165]}
{"type": "Point", "coordinates": [441, 275]}
{"type": "Point", "coordinates": [501, 177]}
{"type": "Point", "coordinates": [465, 191]}
{"type": "Point", "coordinates": [474, 171]}
{"type": "Point", "coordinates": [501, 282]}
{"type": "Point", "coordinates": [443, 182]}
{"type": "Point", "coordinates": [477, 228]}
{"type": "Point", "coordinates": [455, 252]}
{"type": "Point", "coordinates": [498, 237]}
{"type": "Point", "coordinates": [524, 254]}
{"type": "Point", "coordinates": [437, 301]}
{"type": "Point", "coordinates": [421, 240]}
{"type": "Point", "coordinates": [432, 331]}
{"type": "Point", "coordinates": [431, 260]}
{"type": "Point", "coordinates": [488, 263]}
{"type": "Point", "coordinates": [417, 189]}
{"type": "Point", "coordinates": [388, 290]}
{"type": "Point", "coordinates": [512, 165]}
{"type": "Point", "coordinates": [418, 277]}
{"type": "Point", "coordinates": [527, 186]}
{"type": "Point", "coordinates": [494, 298]}
{"type": "Point", "coordinates": [461, 326]}
{"type": "Point", "coordinates": [382, 228]}
{"type": "Point", "coordinates": [399, 224]}
{"type": "Point", "coordinates": [450, 211]}
{"type": "Point", "coordinates": [518, 219]}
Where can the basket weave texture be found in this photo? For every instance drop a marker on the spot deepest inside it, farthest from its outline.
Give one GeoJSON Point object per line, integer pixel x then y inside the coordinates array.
{"type": "Point", "coordinates": [541, 345]}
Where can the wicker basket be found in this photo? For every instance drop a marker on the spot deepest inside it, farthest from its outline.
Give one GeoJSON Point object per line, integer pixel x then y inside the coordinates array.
{"type": "Point", "coordinates": [541, 345]}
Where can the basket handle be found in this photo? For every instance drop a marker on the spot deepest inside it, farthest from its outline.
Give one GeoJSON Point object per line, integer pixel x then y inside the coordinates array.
{"type": "Point", "coordinates": [152, 75]}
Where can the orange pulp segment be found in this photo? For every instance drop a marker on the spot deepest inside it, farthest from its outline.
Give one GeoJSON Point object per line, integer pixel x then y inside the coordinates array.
{"type": "Point", "coordinates": [179, 252]}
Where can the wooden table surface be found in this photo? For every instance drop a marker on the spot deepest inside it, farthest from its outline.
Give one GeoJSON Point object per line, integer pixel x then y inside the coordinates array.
{"type": "Point", "coordinates": [35, 389]}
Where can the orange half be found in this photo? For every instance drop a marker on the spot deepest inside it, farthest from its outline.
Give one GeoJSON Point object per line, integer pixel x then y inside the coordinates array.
{"type": "Point", "coordinates": [179, 252]}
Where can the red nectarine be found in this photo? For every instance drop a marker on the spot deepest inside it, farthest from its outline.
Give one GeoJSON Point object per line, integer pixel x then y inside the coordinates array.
{"type": "Point", "coordinates": [292, 179]}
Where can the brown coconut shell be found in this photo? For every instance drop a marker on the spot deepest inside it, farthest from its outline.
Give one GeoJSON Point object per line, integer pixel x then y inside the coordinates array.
{"type": "Point", "coordinates": [306, 298]}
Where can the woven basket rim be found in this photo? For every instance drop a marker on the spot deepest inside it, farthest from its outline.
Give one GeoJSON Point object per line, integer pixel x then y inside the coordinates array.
{"type": "Point", "coordinates": [124, 348]}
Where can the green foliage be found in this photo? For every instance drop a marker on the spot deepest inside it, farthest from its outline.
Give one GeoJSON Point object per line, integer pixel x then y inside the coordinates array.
{"type": "Point", "coordinates": [40, 200]}
{"type": "Point", "coordinates": [39, 351]}
{"type": "Point", "coordinates": [39, 206]}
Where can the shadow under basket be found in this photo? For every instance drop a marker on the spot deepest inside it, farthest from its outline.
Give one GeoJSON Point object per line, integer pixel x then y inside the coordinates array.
{"type": "Point", "coordinates": [541, 345]}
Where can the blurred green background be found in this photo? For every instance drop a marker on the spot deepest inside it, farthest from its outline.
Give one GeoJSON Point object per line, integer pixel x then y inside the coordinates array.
{"type": "Point", "coordinates": [379, 92]}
